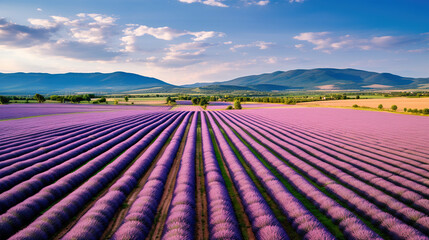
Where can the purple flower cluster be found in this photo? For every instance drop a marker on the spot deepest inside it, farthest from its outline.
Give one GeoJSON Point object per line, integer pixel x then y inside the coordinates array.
{"type": "Point", "coordinates": [180, 222]}
{"type": "Point", "coordinates": [362, 205]}
{"type": "Point", "coordinates": [63, 164]}
{"type": "Point", "coordinates": [221, 217]}
{"type": "Point", "coordinates": [12, 111]}
{"type": "Point", "coordinates": [58, 215]}
{"type": "Point", "coordinates": [303, 221]}
{"type": "Point", "coordinates": [139, 219]}
{"type": "Point", "coordinates": [257, 209]}
{"type": "Point", "coordinates": [105, 207]}
{"type": "Point", "coordinates": [74, 154]}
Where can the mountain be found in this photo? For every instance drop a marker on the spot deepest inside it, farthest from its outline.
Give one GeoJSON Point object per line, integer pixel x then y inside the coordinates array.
{"type": "Point", "coordinates": [128, 83]}
{"type": "Point", "coordinates": [325, 79]}
{"type": "Point", "coordinates": [69, 83]}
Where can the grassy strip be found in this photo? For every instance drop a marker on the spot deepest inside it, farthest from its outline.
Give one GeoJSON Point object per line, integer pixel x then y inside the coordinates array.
{"type": "Point", "coordinates": [238, 209]}
{"type": "Point", "coordinates": [332, 227]}
{"type": "Point", "coordinates": [322, 188]}
{"type": "Point", "coordinates": [276, 210]}
{"type": "Point", "coordinates": [201, 188]}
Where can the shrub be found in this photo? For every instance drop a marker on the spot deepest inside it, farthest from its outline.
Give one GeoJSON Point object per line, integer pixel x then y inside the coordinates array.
{"type": "Point", "coordinates": [229, 107]}
{"type": "Point", "coordinates": [394, 107]}
{"type": "Point", "coordinates": [380, 106]}
{"type": "Point", "coordinates": [195, 101]}
{"type": "Point", "coordinates": [126, 98]}
{"type": "Point", "coordinates": [4, 100]}
{"type": "Point", "coordinates": [426, 111]}
{"type": "Point", "coordinates": [103, 99]}
{"type": "Point", "coordinates": [355, 105]}
{"type": "Point", "coordinates": [405, 109]}
{"type": "Point", "coordinates": [39, 98]}
{"type": "Point", "coordinates": [237, 104]}
{"type": "Point", "coordinates": [116, 102]}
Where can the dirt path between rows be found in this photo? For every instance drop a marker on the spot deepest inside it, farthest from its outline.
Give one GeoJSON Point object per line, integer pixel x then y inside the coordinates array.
{"type": "Point", "coordinates": [164, 206]}
{"type": "Point", "coordinates": [120, 215]}
{"type": "Point", "coordinates": [202, 231]}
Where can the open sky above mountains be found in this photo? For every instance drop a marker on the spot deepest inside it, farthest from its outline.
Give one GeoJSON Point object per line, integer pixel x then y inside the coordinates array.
{"type": "Point", "coordinates": [186, 41]}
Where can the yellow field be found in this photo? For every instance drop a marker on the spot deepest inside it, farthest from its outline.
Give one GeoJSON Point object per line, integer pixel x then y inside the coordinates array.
{"type": "Point", "coordinates": [401, 102]}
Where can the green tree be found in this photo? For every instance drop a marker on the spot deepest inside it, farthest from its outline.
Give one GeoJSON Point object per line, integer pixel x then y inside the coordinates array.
{"type": "Point", "coordinates": [195, 101]}
{"type": "Point", "coordinates": [103, 99]}
{"type": "Point", "coordinates": [39, 98]}
{"type": "Point", "coordinates": [229, 107]}
{"type": "Point", "coordinates": [405, 109]}
{"type": "Point", "coordinates": [168, 100]}
{"type": "Point", "coordinates": [116, 101]}
{"type": "Point", "coordinates": [4, 100]}
{"type": "Point", "coordinates": [394, 107]}
{"type": "Point", "coordinates": [357, 97]}
{"type": "Point", "coordinates": [426, 111]}
{"type": "Point", "coordinates": [380, 106]}
{"type": "Point", "coordinates": [86, 97]}
{"type": "Point", "coordinates": [203, 102]}
{"type": "Point", "coordinates": [237, 104]}
{"type": "Point", "coordinates": [126, 98]}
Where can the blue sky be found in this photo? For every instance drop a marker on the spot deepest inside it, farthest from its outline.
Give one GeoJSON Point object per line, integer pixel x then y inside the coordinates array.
{"type": "Point", "coordinates": [186, 41]}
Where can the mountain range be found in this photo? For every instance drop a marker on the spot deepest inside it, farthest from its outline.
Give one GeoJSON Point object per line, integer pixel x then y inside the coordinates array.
{"type": "Point", "coordinates": [121, 82]}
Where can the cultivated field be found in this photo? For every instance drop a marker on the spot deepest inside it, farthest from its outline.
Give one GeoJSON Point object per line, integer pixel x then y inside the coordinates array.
{"type": "Point", "coordinates": [401, 102]}
{"type": "Point", "coordinates": [277, 173]}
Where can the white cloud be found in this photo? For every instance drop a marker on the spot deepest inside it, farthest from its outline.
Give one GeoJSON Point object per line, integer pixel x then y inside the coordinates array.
{"type": "Point", "coordinates": [258, 44]}
{"type": "Point", "coordinates": [216, 3]}
{"type": "Point", "coordinates": [39, 9]}
{"type": "Point", "coordinates": [298, 1]}
{"type": "Point", "coordinates": [203, 35]}
{"type": "Point", "coordinates": [42, 23]}
{"type": "Point", "coordinates": [164, 33]}
{"type": "Point", "coordinates": [183, 54]}
{"type": "Point", "coordinates": [258, 2]}
{"type": "Point", "coordinates": [327, 42]}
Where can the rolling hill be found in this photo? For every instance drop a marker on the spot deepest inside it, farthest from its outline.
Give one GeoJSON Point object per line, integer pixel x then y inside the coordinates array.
{"type": "Point", "coordinates": [323, 79]}
{"type": "Point", "coordinates": [68, 83]}
{"type": "Point", "coordinates": [122, 82]}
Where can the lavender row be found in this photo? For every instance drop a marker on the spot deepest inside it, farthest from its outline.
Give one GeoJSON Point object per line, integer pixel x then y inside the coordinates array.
{"type": "Point", "coordinates": [18, 216]}
{"type": "Point", "coordinates": [222, 221]}
{"type": "Point", "coordinates": [35, 149]}
{"type": "Point", "coordinates": [299, 218]}
{"type": "Point", "coordinates": [353, 126]}
{"type": "Point", "coordinates": [264, 224]}
{"type": "Point", "coordinates": [329, 164]}
{"type": "Point", "coordinates": [289, 205]}
{"type": "Point", "coordinates": [48, 171]}
{"type": "Point", "coordinates": [377, 196]}
{"type": "Point", "coordinates": [180, 222]}
{"type": "Point", "coordinates": [372, 156]}
{"type": "Point", "coordinates": [95, 221]}
{"type": "Point", "coordinates": [27, 131]}
{"type": "Point", "coordinates": [78, 145]}
{"type": "Point", "coordinates": [139, 218]}
{"type": "Point", "coordinates": [31, 134]}
{"type": "Point", "coordinates": [370, 210]}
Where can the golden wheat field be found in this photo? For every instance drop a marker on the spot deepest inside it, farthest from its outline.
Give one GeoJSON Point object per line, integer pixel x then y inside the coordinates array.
{"type": "Point", "coordinates": [401, 102]}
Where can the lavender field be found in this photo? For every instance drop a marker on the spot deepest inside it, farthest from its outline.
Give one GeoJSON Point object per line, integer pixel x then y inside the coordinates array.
{"type": "Point", "coordinates": [263, 173]}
